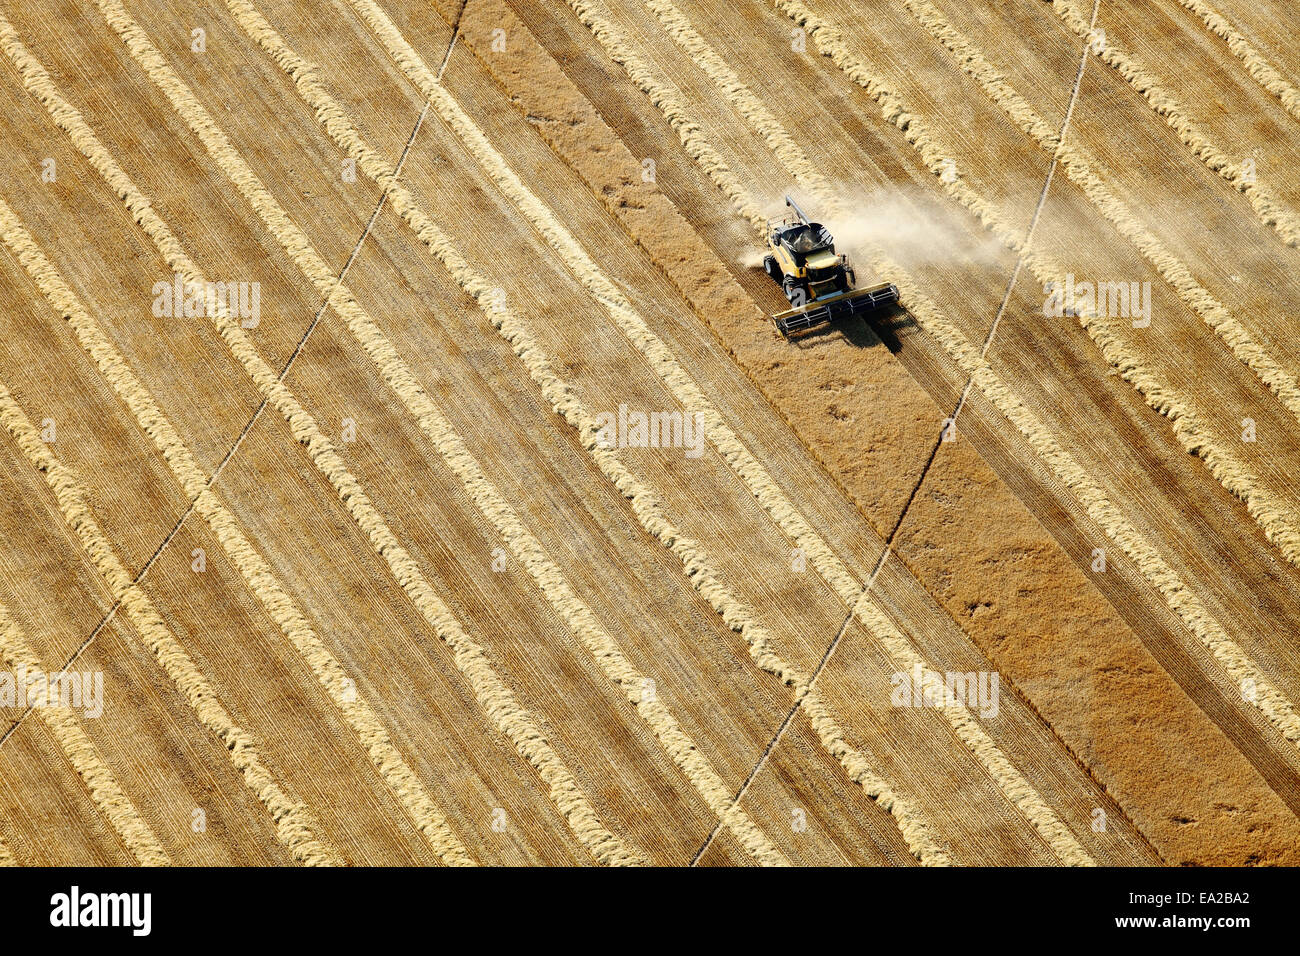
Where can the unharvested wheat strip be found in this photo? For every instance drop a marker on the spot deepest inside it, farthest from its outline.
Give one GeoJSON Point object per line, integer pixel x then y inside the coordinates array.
{"type": "Point", "coordinates": [1078, 165]}
{"type": "Point", "coordinates": [261, 580]}
{"type": "Point", "coordinates": [6, 855]}
{"type": "Point", "coordinates": [1234, 476]}
{"type": "Point", "coordinates": [1012, 783]}
{"type": "Point", "coordinates": [547, 575]}
{"type": "Point", "coordinates": [1257, 66]}
{"type": "Point", "coordinates": [669, 102]}
{"type": "Point", "coordinates": [85, 758]}
{"type": "Point", "coordinates": [493, 695]}
{"type": "Point", "coordinates": [295, 827]}
{"type": "Point", "coordinates": [1180, 598]}
{"type": "Point", "coordinates": [685, 389]}
{"type": "Point", "coordinates": [1278, 520]}
{"type": "Point", "coordinates": [1270, 211]}
{"type": "Point", "coordinates": [604, 291]}
{"type": "Point", "coordinates": [697, 565]}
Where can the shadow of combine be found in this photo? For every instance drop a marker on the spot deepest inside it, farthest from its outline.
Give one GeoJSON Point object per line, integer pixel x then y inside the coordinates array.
{"type": "Point", "coordinates": [885, 325]}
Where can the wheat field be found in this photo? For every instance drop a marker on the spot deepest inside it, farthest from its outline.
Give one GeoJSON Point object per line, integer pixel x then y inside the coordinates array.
{"type": "Point", "coordinates": [400, 466]}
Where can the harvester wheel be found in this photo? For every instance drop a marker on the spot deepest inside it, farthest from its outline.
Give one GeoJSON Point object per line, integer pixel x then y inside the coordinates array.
{"type": "Point", "coordinates": [771, 268]}
{"type": "Point", "coordinates": [795, 291]}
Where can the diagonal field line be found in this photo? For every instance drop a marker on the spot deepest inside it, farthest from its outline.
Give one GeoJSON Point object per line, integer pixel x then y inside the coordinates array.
{"type": "Point", "coordinates": [257, 414]}
{"type": "Point", "coordinates": [951, 423]}
{"type": "Point", "coordinates": [776, 738]}
{"type": "Point", "coordinates": [494, 695]}
{"type": "Point", "coordinates": [547, 575]}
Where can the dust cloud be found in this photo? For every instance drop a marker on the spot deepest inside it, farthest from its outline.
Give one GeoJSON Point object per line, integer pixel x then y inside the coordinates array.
{"type": "Point", "coordinates": [913, 228]}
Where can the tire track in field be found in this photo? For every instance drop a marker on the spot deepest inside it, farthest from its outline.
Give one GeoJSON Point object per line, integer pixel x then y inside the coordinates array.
{"type": "Point", "coordinates": [645, 505]}
{"type": "Point", "coordinates": [614, 179]}
{"type": "Point", "coordinates": [661, 360]}
{"type": "Point", "coordinates": [602, 647]}
{"type": "Point", "coordinates": [1190, 433]}
{"type": "Point", "coordinates": [492, 694]}
{"type": "Point", "coordinates": [1181, 599]}
{"type": "Point", "coordinates": [82, 754]}
{"type": "Point", "coordinates": [1281, 525]}
{"type": "Point", "coordinates": [687, 129]}
{"type": "Point", "coordinates": [1268, 208]}
{"type": "Point", "coordinates": [1263, 72]}
{"type": "Point", "coordinates": [295, 827]}
{"type": "Point", "coordinates": [1279, 522]}
{"type": "Point", "coordinates": [1009, 780]}
{"type": "Point", "coordinates": [669, 101]}
{"type": "Point", "coordinates": [257, 573]}
{"type": "Point", "coordinates": [284, 372]}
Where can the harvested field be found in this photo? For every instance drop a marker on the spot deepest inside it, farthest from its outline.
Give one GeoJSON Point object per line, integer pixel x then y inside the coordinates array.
{"type": "Point", "coordinates": [398, 453]}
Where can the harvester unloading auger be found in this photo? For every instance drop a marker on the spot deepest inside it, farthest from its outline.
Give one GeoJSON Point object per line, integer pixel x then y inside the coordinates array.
{"type": "Point", "coordinates": [819, 282]}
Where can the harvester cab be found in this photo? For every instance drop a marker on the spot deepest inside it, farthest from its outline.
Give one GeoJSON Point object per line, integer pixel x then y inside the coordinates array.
{"type": "Point", "coordinates": [819, 282]}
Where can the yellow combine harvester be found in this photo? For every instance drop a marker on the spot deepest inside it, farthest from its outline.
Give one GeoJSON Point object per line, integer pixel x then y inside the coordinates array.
{"type": "Point", "coordinates": [819, 282]}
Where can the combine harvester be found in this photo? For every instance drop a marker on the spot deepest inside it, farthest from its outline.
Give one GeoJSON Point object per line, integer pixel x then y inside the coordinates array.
{"type": "Point", "coordinates": [819, 282]}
